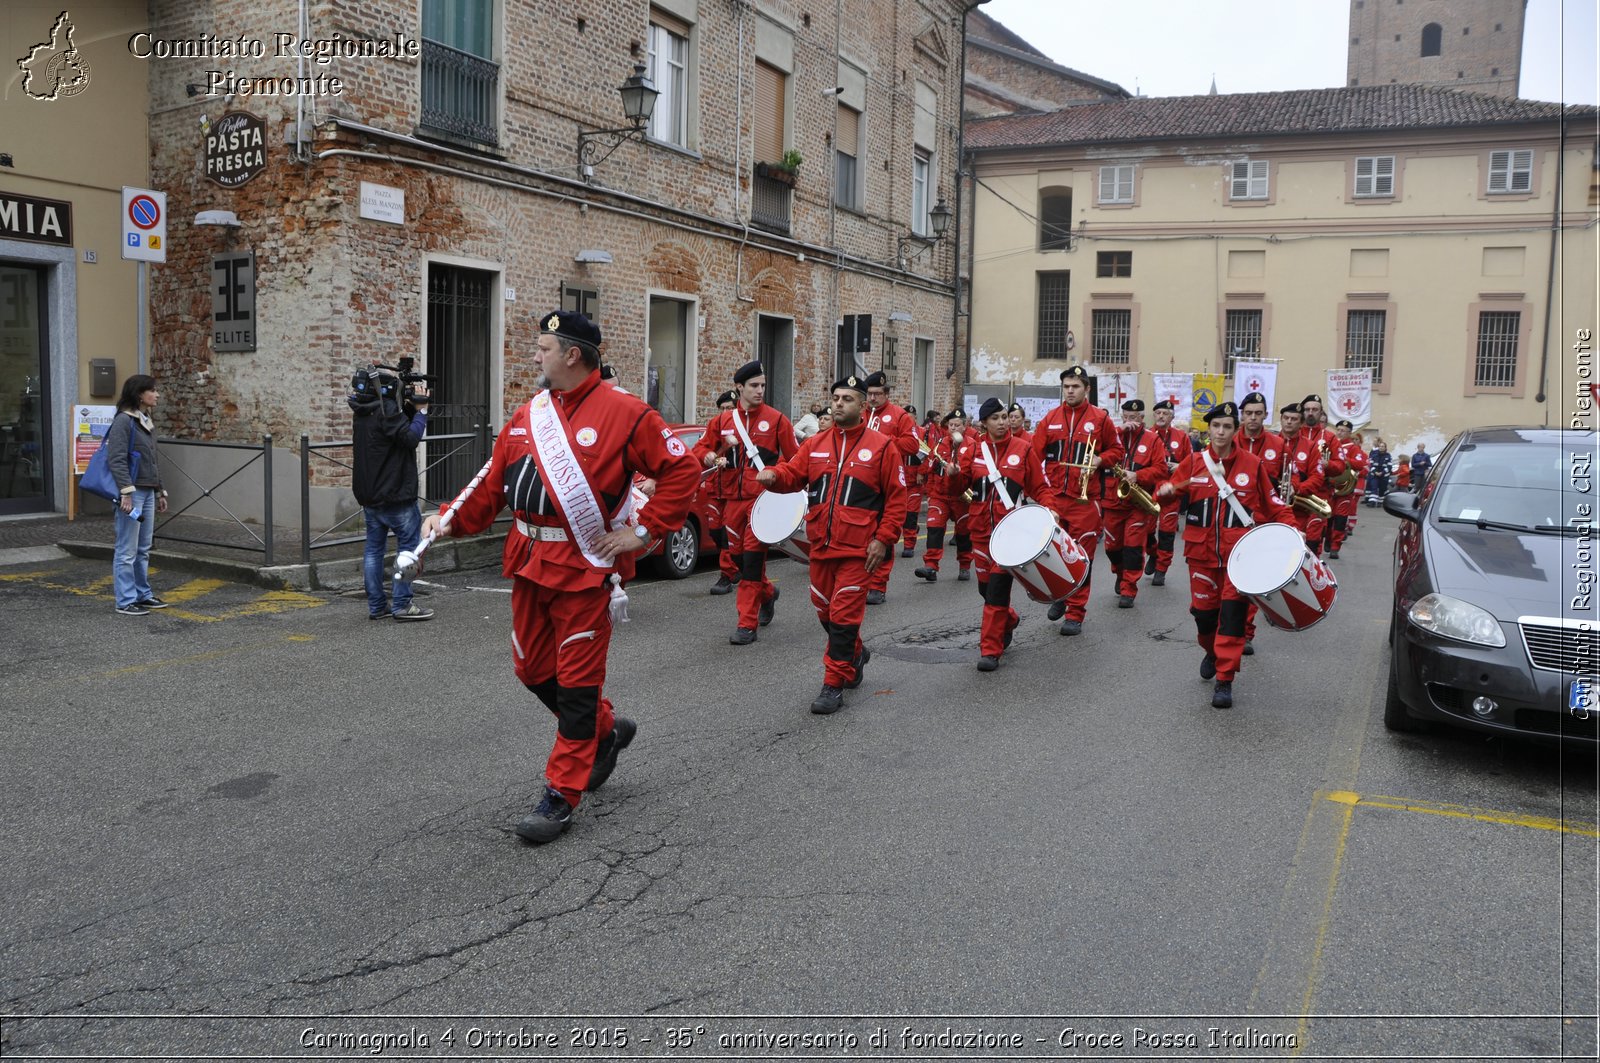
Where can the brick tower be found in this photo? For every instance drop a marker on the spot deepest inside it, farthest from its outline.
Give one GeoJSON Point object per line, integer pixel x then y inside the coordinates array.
{"type": "Point", "coordinates": [1465, 44]}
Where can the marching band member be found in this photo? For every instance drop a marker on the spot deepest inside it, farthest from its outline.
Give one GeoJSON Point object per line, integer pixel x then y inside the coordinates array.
{"type": "Point", "coordinates": [721, 488]}
{"type": "Point", "coordinates": [998, 461]}
{"type": "Point", "coordinates": [1126, 525]}
{"type": "Point", "coordinates": [884, 416]}
{"type": "Point", "coordinates": [1077, 442]}
{"type": "Point", "coordinates": [1017, 418]}
{"type": "Point", "coordinates": [1303, 467]}
{"type": "Point", "coordinates": [1164, 531]}
{"type": "Point", "coordinates": [916, 478]}
{"type": "Point", "coordinates": [1314, 420]}
{"type": "Point", "coordinates": [1354, 456]}
{"type": "Point", "coordinates": [564, 463]}
{"type": "Point", "coordinates": [855, 480]}
{"type": "Point", "coordinates": [750, 435]}
{"type": "Point", "coordinates": [1254, 437]}
{"type": "Point", "coordinates": [1224, 490]}
{"type": "Point", "coordinates": [943, 503]}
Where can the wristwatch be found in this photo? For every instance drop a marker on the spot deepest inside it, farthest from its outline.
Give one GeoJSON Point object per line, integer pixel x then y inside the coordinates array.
{"type": "Point", "coordinates": [642, 532]}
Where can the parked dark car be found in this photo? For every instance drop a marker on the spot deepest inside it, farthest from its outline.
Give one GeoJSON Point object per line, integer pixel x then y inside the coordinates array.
{"type": "Point", "coordinates": [677, 555]}
{"type": "Point", "coordinates": [1495, 625]}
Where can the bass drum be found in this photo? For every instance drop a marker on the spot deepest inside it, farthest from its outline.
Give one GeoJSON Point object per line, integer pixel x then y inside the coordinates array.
{"type": "Point", "coordinates": [1272, 566]}
{"type": "Point", "coordinates": [779, 520]}
{"type": "Point", "coordinates": [1046, 561]}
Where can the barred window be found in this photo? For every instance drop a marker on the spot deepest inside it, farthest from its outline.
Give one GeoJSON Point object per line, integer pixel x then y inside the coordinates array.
{"type": "Point", "coordinates": [1363, 341]}
{"type": "Point", "coordinates": [1498, 334]}
{"type": "Point", "coordinates": [1113, 337]}
{"type": "Point", "coordinates": [1054, 327]}
{"type": "Point", "coordinates": [1241, 336]}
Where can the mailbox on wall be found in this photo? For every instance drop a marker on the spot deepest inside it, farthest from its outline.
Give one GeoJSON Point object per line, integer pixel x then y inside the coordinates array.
{"type": "Point", "coordinates": [102, 378]}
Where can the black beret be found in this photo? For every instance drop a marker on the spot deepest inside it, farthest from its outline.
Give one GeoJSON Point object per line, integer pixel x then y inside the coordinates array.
{"type": "Point", "coordinates": [851, 383]}
{"type": "Point", "coordinates": [1016, 407]}
{"type": "Point", "coordinates": [1313, 398]}
{"type": "Point", "coordinates": [911, 409]}
{"type": "Point", "coordinates": [570, 326]}
{"type": "Point", "coordinates": [607, 371]}
{"type": "Point", "coordinates": [989, 408]}
{"type": "Point", "coordinates": [747, 371]}
{"type": "Point", "coordinates": [1345, 424]}
{"type": "Point", "coordinates": [1223, 409]}
{"type": "Point", "coordinates": [1293, 407]}
{"type": "Point", "coordinates": [1164, 404]}
{"type": "Point", "coordinates": [1254, 396]}
{"type": "Point", "coordinates": [952, 415]}
{"type": "Point", "coordinates": [727, 396]}
{"type": "Point", "coordinates": [1133, 406]}
{"type": "Point", "coordinates": [877, 380]}
{"type": "Point", "coordinates": [1075, 372]}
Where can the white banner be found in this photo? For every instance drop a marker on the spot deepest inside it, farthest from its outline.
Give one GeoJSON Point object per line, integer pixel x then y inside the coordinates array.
{"type": "Point", "coordinates": [1349, 396]}
{"type": "Point", "coordinates": [1178, 389]}
{"type": "Point", "coordinates": [1257, 376]}
{"type": "Point", "coordinates": [1114, 390]}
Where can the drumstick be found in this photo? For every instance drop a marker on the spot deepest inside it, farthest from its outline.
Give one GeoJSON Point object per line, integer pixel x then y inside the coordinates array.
{"type": "Point", "coordinates": [406, 563]}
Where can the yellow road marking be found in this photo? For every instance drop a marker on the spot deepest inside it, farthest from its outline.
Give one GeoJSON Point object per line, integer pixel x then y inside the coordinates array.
{"type": "Point", "coordinates": [1482, 815]}
{"type": "Point", "coordinates": [188, 592]}
{"type": "Point", "coordinates": [269, 602]}
{"type": "Point", "coordinates": [197, 658]}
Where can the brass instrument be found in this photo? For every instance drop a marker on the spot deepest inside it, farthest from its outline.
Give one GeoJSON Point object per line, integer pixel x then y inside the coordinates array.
{"type": "Point", "coordinates": [1140, 496]}
{"type": "Point", "coordinates": [1342, 483]}
{"type": "Point", "coordinates": [1309, 503]}
{"type": "Point", "coordinates": [928, 452]}
{"type": "Point", "coordinates": [1084, 470]}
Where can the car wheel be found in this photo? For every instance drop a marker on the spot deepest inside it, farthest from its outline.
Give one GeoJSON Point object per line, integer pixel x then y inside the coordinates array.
{"type": "Point", "coordinates": [680, 553]}
{"type": "Point", "coordinates": [1396, 717]}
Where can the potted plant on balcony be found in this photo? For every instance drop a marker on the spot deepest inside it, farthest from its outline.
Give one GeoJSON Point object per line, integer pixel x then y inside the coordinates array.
{"type": "Point", "coordinates": [784, 170]}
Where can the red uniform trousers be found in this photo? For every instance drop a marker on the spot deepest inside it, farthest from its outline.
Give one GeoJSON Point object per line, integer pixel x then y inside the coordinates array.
{"type": "Point", "coordinates": [1164, 533]}
{"type": "Point", "coordinates": [1312, 527]}
{"type": "Point", "coordinates": [1344, 518]}
{"type": "Point", "coordinates": [938, 520]}
{"type": "Point", "coordinates": [839, 592]}
{"type": "Point", "coordinates": [1083, 523]}
{"type": "Point", "coordinates": [1125, 531]}
{"type": "Point", "coordinates": [994, 583]}
{"type": "Point", "coordinates": [718, 528]}
{"type": "Point", "coordinates": [750, 556]}
{"type": "Point", "coordinates": [1219, 617]}
{"type": "Point", "coordinates": [560, 639]}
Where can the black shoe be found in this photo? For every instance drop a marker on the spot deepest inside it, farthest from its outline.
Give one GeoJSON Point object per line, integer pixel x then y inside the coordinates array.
{"type": "Point", "coordinates": [1072, 627]}
{"type": "Point", "coordinates": [1124, 601]}
{"type": "Point", "coordinates": [908, 551]}
{"type": "Point", "coordinates": [1333, 555]}
{"type": "Point", "coordinates": [929, 574]}
{"type": "Point", "coordinates": [1158, 580]}
{"type": "Point", "coordinates": [412, 612]}
{"type": "Point", "coordinates": [724, 585]}
{"type": "Point", "coordinates": [151, 602]}
{"type": "Point", "coordinates": [1208, 667]}
{"type": "Point", "coordinates": [1150, 565]}
{"type": "Point", "coordinates": [1249, 649]}
{"type": "Point", "coordinates": [133, 610]}
{"type": "Point", "coordinates": [876, 597]}
{"type": "Point", "coordinates": [385, 615]}
{"type": "Point", "coordinates": [828, 701]}
{"type": "Point", "coordinates": [1222, 695]}
{"type": "Point", "coordinates": [605, 754]}
{"type": "Point", "coordinates": [1057, 611]}
{"type": "Point", "coordinates": [743, 636]}
{"type": "Point", "coordinates": [964, 574]}
{"type": "Point", "coordinates": [768, 608]}
{"type": "Point", "coordinates": [988, 664]}
{"type": "Point", "coordinates": [547, 822]}
{"type": "Point", "coordinates": [861, 668]}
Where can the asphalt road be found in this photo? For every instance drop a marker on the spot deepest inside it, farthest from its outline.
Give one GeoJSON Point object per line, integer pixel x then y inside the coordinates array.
{"type": "Point", "coordinates": [269, 810]}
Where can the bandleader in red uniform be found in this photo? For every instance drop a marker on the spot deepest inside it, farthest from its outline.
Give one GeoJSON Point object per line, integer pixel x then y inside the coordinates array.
{"type": "Point", "coordinates": [900, 426]}
{"type": "Point", "coordinates": [1164, 532]}
{"type": "Point", "coordinates": [1126, 525]}
{"type": "Point", "coordinates": [1077, 442]}
{"type": "Point", "coordinates": [855, 482]}
{"type": "Point", "coordinates": [1021, 473]}
{"type": "Point", "coordinates": [719, 486]}
{"type": "Point", "coordinates": [943, 506]}
{"type": "Point", "coordinates": [1212, 527]}
{"type": "Point", "coordinates": [1315, 419]}
{"type": "Point", "coordinates": [724, 445]}
{"type": "Point", "coordinates": [565, 463]}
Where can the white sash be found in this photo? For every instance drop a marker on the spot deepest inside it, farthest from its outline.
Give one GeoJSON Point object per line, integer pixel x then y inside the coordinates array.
{"type": "Point", "coordinates": [994, 478]}
{"type": "Point", "coordinates": [564, 479]}
{"type": "Point", "coordinates": [749, 446]}
{"type": "Point", "coordinates": [1219, 478]}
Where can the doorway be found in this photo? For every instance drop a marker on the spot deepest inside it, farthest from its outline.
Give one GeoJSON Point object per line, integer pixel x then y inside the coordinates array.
{"type": "Point", "coordinates": [459, 357]}
{"type": "Point", "coordinates": [668, 386]}
{"type": "Point", "coordinates": [25, 428]}
{"type": "Point", "coordinates": [922, 375]}
{"type": "Point", "coordinates": [775, 349]}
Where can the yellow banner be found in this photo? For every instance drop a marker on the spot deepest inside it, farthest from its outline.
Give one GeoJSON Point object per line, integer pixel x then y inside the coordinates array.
{"type": "Point", "coordinates": [1207, 393]}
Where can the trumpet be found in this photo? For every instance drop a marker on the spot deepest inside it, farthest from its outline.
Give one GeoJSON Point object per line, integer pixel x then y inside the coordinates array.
{"type": "Point", "coordinates": [928, 452]}
{"type": "Point", "coordinates": [1085, 469]}
{"type": "Point", "coordinates": [1140, 496]}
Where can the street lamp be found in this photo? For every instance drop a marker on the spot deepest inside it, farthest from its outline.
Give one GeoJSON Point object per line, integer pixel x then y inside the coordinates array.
{"type": "Point", "coordinates": [938, 220]}
{"type": "Point", "coordinates": [638, 104]}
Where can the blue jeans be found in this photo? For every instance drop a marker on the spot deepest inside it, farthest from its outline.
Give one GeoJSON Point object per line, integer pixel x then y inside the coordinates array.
{"type": "Point", "coordinates": [406, 523]}
{"type": "Point", "coordinates": [130, 563]}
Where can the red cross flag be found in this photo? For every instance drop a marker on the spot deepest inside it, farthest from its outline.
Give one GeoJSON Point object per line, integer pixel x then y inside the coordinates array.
{"type": "Point", "coordinates": [1178, 389]}
{"type": "Point", "coordinates": [1350, 393]}
{"type": "Point", "coordinates": [1256, 376]}
{"type": "Point", "coordinates": [1115, 389]}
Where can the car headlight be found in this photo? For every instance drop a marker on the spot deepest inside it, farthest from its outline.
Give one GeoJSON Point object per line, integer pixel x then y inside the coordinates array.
{"type": "Point", "coordinates": [1456, 619]}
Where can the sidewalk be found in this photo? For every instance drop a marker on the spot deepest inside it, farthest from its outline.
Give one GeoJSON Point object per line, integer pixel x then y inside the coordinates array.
{"type": "Point", "coordinates": [230, 551]}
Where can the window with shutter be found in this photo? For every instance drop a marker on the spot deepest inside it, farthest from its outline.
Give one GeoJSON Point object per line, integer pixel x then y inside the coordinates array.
{"type": "Point", "coordinates": [1116, 184]}
{"type": "Point", "coordinates": [1249, 179]}
{"type": "Point", "coordinates": [1511, 170]}
{"type": "Point", "coordinates": [1375, 175]}
{"type": "Point", "coordinates": [668, 69]}
{"type": "Point", "coordinates": [847, 149]}
{"type": "Point", "coordinates": [769, 131]}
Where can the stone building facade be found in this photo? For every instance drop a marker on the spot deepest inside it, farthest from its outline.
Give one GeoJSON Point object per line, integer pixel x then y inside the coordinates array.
{"type": "Point", "coordinates": [1474, 45]}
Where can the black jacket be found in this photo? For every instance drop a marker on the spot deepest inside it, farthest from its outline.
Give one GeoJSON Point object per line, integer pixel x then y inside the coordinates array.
{"type": "Point", "coordinates": [385, 442]}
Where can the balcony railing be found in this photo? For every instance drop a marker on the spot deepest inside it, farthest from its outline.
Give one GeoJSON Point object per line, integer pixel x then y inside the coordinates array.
{"type": "Point", "coordinates": [771, 194]}
{"type": "Point", "coordinates": [460, 93]}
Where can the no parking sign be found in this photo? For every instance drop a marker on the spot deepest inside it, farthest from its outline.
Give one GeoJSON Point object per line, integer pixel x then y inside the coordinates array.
{"type": "Point", "coordinates": [144, 224]}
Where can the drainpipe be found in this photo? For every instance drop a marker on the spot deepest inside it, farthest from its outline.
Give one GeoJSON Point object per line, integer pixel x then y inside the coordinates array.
{"type": "Point", "coordinates": [1550, 271]}
{"type": "Point", "coordinates": [961, 352]}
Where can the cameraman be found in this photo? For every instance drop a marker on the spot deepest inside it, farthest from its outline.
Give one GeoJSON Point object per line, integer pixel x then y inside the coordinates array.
{"type": "Point", "coordinates": [389, 423]}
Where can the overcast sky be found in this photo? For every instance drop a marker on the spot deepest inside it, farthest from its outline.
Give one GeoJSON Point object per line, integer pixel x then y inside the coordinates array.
{"type": "Point", "coordinates": [1174, 47]}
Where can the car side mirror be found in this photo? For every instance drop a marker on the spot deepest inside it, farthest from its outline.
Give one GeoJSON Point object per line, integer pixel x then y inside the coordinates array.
{"type": "Point", "coordinates": [1402, 504]}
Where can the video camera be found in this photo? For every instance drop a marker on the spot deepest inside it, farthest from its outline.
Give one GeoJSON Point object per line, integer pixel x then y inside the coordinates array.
{"type": "Point", "coordinates": [377, 382]}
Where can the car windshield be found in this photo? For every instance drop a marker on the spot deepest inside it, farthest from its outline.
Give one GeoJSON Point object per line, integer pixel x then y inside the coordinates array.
{"type": "Point", "coordinates": [1526, 484]}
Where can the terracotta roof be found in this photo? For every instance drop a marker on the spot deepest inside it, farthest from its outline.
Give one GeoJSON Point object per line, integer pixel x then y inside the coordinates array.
{"type": "Point", "coordinates": [1262, 114]}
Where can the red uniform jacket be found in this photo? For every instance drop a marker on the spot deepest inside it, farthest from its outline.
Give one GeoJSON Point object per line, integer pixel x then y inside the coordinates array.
{"type": "Point", "coordinates": [1269, 447]}
{"type": "Point", "coordinates": [1144, 455]}
{"type": "Point", "coordinates": [856, 487]}
{"type": "Point", "coordinates": [769, 430]}
{"type": "Point", "coordinates": [1305, 455]}
{"type": "Point", "coordinates": [1177, 444]}
{"type": "Point", "coordinates": [898, 425]}
{"type": "Point", "coordinates": [947, 453]}
{"type": "Point", "coordinates": [1211, 527]}
{"type": "Point", "coordinates": [1021, 472]}
{"type": "Point", "coordinates": [1061, 440]}
{"type": "Point", "coordinates": [614, 436]}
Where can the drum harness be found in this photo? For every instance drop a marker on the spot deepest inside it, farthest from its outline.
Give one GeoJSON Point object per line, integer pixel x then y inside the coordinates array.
{"type": "Point", "coordinates": [995, 480]}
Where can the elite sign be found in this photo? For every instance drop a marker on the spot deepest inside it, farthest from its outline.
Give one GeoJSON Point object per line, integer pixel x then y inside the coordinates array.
{"type": "Point", "coordinates": [144, 224]}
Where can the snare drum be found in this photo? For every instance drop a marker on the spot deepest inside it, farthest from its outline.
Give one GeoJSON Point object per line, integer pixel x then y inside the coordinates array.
{"type": "Point", "coordinates": [1036, 550]}
{"type": "Point", "coordinates": [1272, 566]}
{"type": "Point", "coordinates": [779, 520]}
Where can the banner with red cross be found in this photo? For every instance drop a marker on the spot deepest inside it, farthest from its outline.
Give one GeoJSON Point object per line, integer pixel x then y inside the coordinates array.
{"type": "Point", "coordinates": [1349, 396]}
{"type": "Point", "coordinates": [1178, 389]}
{"type": "Point", "coordinates": [1257, 376]}
{"type": "Point", "coordinates": [1114, 389]}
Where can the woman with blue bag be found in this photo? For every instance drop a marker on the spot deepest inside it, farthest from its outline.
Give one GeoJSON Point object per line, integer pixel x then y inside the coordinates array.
{"type": "Point", "coordinates": [131, 456]}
